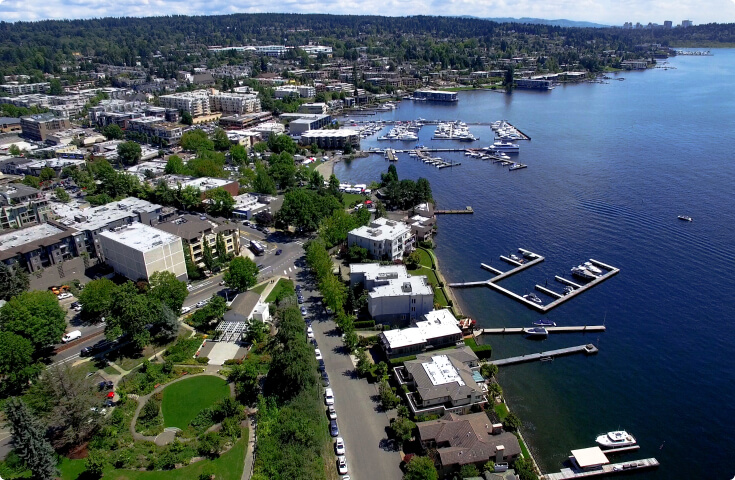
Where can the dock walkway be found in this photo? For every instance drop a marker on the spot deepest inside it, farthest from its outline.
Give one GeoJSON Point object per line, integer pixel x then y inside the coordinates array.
{"type": "Point", "coordinates": [587, 349]}
{"type": "Point", "coordinates": [511, 330]}
{"type": "Point", "coordinates": [622, 467]}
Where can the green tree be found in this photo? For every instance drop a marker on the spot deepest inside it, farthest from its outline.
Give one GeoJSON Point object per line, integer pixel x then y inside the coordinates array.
{"type": "Point", "coordinates": [210, 444]}
{"type": "Point", "coordinates": [192, 271]}
{"type": "Point", "coordinates": [388, 399]}
{"type": "Point", "coordinates": [489, 466]}
{"type": "Point", "coordinates": [61, 195]}
{"type": "Point", "coordinates": [167, 325]}
{"type": "Point", "coordinates": [97, 299]}
{"type": "Point", "coordinates": [29, 440]}
{"type": "Point", "coordinates": [207, 163]}
{"type": "Point", "coordinates": [113, 132]}
{"type": "Point", "coordinates": [46, 174]}
{"type": "Point", "coordinates": [524, 469]}
{"type": "Point", "coordinates": [364, 365]}
{"type": "Point", "coordinates": [281, 143]}
{"type": "Point", "coordinates": [421, 468]}
{"type": "Point", "coordinates": [165, 288]}
{"type": "Point", "coordinates": [55, 87]}
{"type": "Point", "coordinates": [333, 188]}
{"type": "Point", "coordinates": [195, 140]}
{"type": "Point", "coordinates": [220, 140]}
{"type": "Point", "coordinates": [17, 367]}
{"type": "Point", "coordinates": [175, 165]}
{"type": "Point", "coordinates": [283, 170]}
{"type": "Point", "coordinates": [129, 153]}
{"type": "Point", "coordinates": [469, 470]}
{"type": "Point", "coordinates": [357, 254]}
{"type": "Point", "coordinates": [94, 465]}
{"type": "Point", "coordinates": [242, 274]}
{"type": "Point", "coordinates": [131, 313]}
{"type": "Point", "coordinates": [257, 331]}
{"type": "Point", "coordinates": [31, 181]}
{"type": "Point", "coordinates": [512, 422]}
{"type": "Point", "coordinates": [390, 177]}
{"type": "Point", "coordinates": [36, 316]}
{"type": "Point", "coordinates": [488, 370]}
{"type": "Point", "coordinates": [238, 154]}
{"type": "Point", "coordinates": [13, 281]}
{"type": "Point", "coordinates": [263, 183]}
{"type": "Point", "coordinates": [14, 150]}
{"type": "Point", "coordinates": [186, 118]}
{"type": "Point", "coordinates": [188, 198]}
{"type": "Point", "coordinates": [413, 260]}
{"type": "Point", "coordinates": [245, 378]}
{"type": "Point", "coordinates": [316, 181]}
{"type": "Point", "coordinates": [221, 247]}
{"type": "Point", "coordinates": [208, 256]}
{"type": "Point", "coordinates": [220, 202]}
{"type": "Point", "coordinates": [402, 429]}
{"type": "Point", "coordinates": [334, 228]}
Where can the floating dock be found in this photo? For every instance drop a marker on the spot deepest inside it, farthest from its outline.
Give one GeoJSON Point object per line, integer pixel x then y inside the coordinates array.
{"type": "Point", "coordinates": [390, 155]}
{"type": "Point", "coordinates": [588, 349]}
{"type": "Point", "coordinates": [467, 210]}
{"type": "Point", "coordinates": [611, 468]}
{"type": "Point", "coordinates": [510, 330]}
{"type": "Point", "coordinates": [609, 271]}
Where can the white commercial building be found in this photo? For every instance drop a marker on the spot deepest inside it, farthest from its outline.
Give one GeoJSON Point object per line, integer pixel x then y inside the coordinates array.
{"type": "Point", "coordinates": [438, 329]}
{"type": "Point", "coordinates": [383, 238]}
{"type": "Point", "coordinates": [234, 103]}
{"type": "Point", "coordinates": [303, 91]}
{"type": "Point", "coordinates": [136, 251]}
{"type": "Point", "coordinates": [196, 103]}
{"type": "Point", "coordinates": [393, 295]}
{"type": "Point", "coordinates": [247, 205]}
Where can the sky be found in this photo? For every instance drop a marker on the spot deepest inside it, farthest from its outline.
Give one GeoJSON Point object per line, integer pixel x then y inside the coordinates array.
{"type": "Point", "coordinates": [608, 12]}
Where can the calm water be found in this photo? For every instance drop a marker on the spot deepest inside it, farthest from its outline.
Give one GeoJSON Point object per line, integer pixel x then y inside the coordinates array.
{"type": "Point", "coordinates": [610, 168]}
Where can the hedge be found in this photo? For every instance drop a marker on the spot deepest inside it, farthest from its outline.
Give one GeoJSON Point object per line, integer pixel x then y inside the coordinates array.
{"type": "Point", "coordinates": [482, 351]}
{"type": "Point", "coordinates": [365, 324]}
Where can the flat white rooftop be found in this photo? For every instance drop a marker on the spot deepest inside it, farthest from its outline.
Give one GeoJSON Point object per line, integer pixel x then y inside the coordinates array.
{"type": "Point", "coordinates": [441, 371]}
{"type": "Point", "coordinates": [206, 183]}
{"type": "Point", "coordinates": [343, 133]}
{"type": "Point", "coordinates": [140, 237]}
{"type": "Point", "coordinates": [417, 285]}
{"type": "Point", "coordinates": [589, 457]}
{"type": "Point", "coordinates": [438, 323]}
{"type": "Point", "coordinates": [98, 217]}
{"type": "Point", "coordinates": [16, 238]}
{"type": "Point", "coordinates": [382, 229]}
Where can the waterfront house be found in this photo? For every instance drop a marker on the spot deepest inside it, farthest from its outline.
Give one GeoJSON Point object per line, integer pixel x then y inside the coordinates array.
{"type": "Point", "coordinates": [438, 329]}
{"type": "Point", "coordinates": [383, 239]}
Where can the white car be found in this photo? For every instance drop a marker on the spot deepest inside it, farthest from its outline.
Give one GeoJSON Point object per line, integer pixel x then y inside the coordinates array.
{"type": "Point", "coordinates": [332, 412]}
{"type": "Point", "coordinates": [185, 310]}
{"type": "Point", "coordinates": [309, 335]}
{"type": "Point", "coordinates": [342, 465]}
{"type": "Point", "coordinates": [202, 303]}
{"type": "Point", "coordinates": [318, 354]}
{"type": "Point", "coordinates": [329, 396]}
{"type": "Point", "coordinates": [339, 446]}
{"type": "Point", "coordinates": [62, 296]}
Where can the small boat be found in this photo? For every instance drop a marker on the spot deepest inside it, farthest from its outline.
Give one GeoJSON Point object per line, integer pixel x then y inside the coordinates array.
{"type": "Point", "coordinates": [619, 438]}
{"type": "Point", "coordinates": [532, 297]}
{"type": "Point", "coordinates": [686, 218]}
{"type": "Point", "coordinates": [544, 322]}
{"type": "Point", "coordinates": [568, 289]}
{"type": "Point", "coordinates": [536, 331]}
{"type": "Point", "coordinates": [589, 266]}
{"type": "Point", "coordinates": [515, 257]}
{"type": "Point", "coordinates": [582, 272]}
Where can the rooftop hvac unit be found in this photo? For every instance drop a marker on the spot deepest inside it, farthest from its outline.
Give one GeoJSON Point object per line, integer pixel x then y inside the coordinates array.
{"type": "Point", "coordinates": [406, 287]}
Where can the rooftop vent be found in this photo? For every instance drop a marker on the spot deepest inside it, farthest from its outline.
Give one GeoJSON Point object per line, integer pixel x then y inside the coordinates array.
{"type": "Point", "coordinates": [406, 287]}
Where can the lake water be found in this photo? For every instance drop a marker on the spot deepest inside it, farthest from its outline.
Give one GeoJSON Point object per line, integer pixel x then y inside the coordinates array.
{"type": "Point", "coordinates": [610, 168]}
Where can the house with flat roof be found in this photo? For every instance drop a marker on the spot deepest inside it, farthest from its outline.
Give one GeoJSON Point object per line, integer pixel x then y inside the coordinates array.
{"type": "Point", "coordinates": [467, 439]}
{"type": "Point", "coordinates": [383, 239]}
{"type": "Point", "coordinates": [394, 296]}
{"type": "Point", "coordinates": [441, 382]}
{"type": "Point", "coordinates": [136, 251]}
{"type": "Point", "coordinates": [438, 329]}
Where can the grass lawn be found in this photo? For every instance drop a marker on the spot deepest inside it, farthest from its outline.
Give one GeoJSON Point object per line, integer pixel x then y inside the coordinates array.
{"type": "Point", "coordinates": [182, 401]}
{"type": "Point", "coordinates": [349, 199]}
{"type": "Point", "coordinates": [282, 284]}
{"type": "Point", "coordinates": [501, 410]}
{"type": "Point", "coordinates": [259, 288]}
{"type": "Point", "coordinates": [227, 467]}
{"type": "Point", "coordinates": [439, 296]}
{"type": "Point", "coordinates": [425, 258]}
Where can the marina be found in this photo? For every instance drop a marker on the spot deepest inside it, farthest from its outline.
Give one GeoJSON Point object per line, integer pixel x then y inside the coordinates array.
{"type": "Point", "coordinates": [607, 271]}
{"type": "Point", "coordinates": [587, 349]}
{"type": "Point", "coordinates": [622, 467]}
{"type": "Point", "coordinates": [512, 330]}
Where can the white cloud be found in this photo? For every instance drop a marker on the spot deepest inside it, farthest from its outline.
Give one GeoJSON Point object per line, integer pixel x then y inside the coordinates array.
{"type": "Point", "coordinates": [613, 12]}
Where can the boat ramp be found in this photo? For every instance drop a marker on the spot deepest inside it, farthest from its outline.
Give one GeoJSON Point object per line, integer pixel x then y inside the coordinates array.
{"type": "Point", "coordinates": [533, 259]}
{"type": "Point", "coordinates": [587, 349]}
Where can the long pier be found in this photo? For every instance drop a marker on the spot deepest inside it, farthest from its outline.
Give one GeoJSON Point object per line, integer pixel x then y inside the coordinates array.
{"type": "Point", "coordinates": [622, 467]}
{"type": "Point", "coordinates": [509, 330]}
{"type": "Point", "coordinates": [609, 271]}
{"type": "Point", "coordinates": [588, 349]}
{"type": "Point", "coordinates": [467, 210]}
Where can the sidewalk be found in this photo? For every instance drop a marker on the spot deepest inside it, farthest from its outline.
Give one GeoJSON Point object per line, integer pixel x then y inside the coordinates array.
{"type": "Point", "coordinates": [247, 470]}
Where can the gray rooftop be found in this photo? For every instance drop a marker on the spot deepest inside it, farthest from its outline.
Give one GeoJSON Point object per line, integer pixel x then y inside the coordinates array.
{"type": "Point", "coordinates": [99, 217]}
{"type": "Point", "coordinates": [140, 237]}
{"type": "Point", "coordinates": [443, 376]}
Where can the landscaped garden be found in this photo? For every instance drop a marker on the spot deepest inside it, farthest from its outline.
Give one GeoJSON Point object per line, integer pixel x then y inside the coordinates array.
{"type": "Point", "coordinates": [182, 401]}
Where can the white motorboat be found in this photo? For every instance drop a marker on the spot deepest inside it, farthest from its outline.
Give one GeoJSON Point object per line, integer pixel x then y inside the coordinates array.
{"type": "Point", "coordinates": [582, 272]}
{"type": "Point", "coordinates": [536, 331]}
{"type": "Point", "coordinates": [532, 297]}
{"type": "Point", "coordinates": [616, 439]}
{"type": "Point", "coordinates": [589, 266]}
{"type": "Point", "coordinates": [505, 147]}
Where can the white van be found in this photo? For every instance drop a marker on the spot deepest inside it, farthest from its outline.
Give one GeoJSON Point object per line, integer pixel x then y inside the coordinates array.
{"type": "Point", "coordinates": [73, 335]}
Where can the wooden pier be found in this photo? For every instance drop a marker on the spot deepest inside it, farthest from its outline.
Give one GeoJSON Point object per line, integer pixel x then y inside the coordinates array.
{"type": "Point", "coordinates": [611, 468]}
{"type": "Point", "coordinates": [390, 155]}
{"type": "Point", "coordinates": [467, 210]}
{"type": "Point", "coordinates": [588, 349]}
{"type": "Point", "coordinates": [511, 330]}
{"type": "Point", "coordinates": [609, 271]}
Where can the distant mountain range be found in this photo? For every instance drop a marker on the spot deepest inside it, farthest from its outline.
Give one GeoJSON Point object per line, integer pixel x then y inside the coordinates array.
{"type": "Point", "coordinates": [561, 22]}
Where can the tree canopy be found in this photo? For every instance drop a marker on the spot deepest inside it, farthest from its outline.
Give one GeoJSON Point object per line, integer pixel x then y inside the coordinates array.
{"type": "Point", "coordinates": [165, 288]}
{"type": "Point", "coordinates": [13, 281]}
{"type": "Point", "coordinates": [242, 274]}
{"type": "Point", "coordinates": [129, 153]}
{"type": "Point", "coordinates": [35, 316]}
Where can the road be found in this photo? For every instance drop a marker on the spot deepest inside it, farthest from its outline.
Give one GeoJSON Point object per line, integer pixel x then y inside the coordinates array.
{"type": "Point", "coordinates": [361, 424]}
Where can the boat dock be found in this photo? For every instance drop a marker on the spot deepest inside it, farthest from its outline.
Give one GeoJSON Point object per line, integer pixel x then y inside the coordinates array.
{"type": "Point", "coordinates": [587, 349]}
{"type": "Point", "coordinates": [608, 271]}
{"type": "Point", "coordinates": [509, 330]}
{"type": "Point", "coordinates": [390, 155]}
{"type": "Point", "coordinates": [422, 155]}
{"type": "Point", "coordinates": [622, 467]}
{"type": "Point", "coordinates": [467, 210]}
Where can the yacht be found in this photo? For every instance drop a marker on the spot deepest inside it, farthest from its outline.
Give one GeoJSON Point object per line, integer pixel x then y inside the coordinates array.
{"type": "Point", "coordinates": [532, 297]}
{"type": "Point", "coordinates": [685, 218]}
{"type": "Point", "coordinates": [536, 331]}
{"type": "Point", "coordinates": [589, 266]}
{"type": "Point", "coordinates": [515, 257]}
{"type": "Point", "coordinates": [619, 438]}
{"type": "Point", "coordinates": [582, 272]}
{"type": "Point", "coordinates": [505, 147]}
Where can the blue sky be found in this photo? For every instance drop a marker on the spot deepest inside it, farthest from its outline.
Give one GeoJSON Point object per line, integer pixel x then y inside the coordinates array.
{"type": "Point", "coordinates": [611, 12]}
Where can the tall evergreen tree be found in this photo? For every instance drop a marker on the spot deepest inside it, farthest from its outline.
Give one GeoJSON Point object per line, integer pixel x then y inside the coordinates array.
{"type": "Point", "coordinates": [30, 440]}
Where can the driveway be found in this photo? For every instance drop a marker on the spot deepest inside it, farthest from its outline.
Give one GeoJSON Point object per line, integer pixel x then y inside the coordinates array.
{"type": "Point", "coordinates": [360, 423]}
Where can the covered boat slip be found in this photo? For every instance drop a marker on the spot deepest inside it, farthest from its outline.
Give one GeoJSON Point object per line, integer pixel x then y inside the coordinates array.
{"type": "Point", "coordinates": [589, 462]}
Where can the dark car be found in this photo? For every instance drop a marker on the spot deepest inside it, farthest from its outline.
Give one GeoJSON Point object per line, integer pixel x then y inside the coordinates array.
{"type": "Point", "coordinates": [325, 379]}
{"type": "Point", "coordinates": [333, 429]}
{"type": "Point", "coordinates": [301, 299]}
{"type": "Point", "coordinates": [93, 349]}
{"type": "Point", "coordinates": [279, 251]}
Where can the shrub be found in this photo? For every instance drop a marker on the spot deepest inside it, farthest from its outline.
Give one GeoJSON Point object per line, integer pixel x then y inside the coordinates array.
{"type": "Point", "coordinates": [203, 360]}
{"type": "Point", "coordinates": [365, 324]}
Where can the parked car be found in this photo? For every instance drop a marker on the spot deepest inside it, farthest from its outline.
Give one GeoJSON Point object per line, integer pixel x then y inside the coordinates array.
{"type": "Point", "coordinates": [339, 446]}
{"type": "Point", "coordinates": [325, 379]}
{"type": "Point", "coordinates": [333, 429]}
{"type": "Point", "coordinates": [342, 465]}
{"type": "Point", "coordinates": [303, 311]}
{"type": "Point", "coordinates": [279, 251]}
{"type": "Point", "coordinates": [73, 335]}
{"type": "Point", "coordinates": [309, 333]}
{"type": "Point", "coordinates": [298, 287]}
{"type": "Point", "coordinates": [62, 296]}
{"type": "Point", "coordinates": [202, 303]}
{"type": "Point", "coordinates": [301, 300]}
{"type": "Point", "coordinates": [329, 397]}
{"type": "Point", "coordinates": [332, 413]}
{"type": "Point", "coordinates": [185, 310]}
{"type": "Point", "coordinates": [318, 354]}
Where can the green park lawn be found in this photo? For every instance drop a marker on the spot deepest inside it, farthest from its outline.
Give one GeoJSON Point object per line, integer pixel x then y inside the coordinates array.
{"type": "Point", "coordinates": [227, 467]}
{"type": "Point", "coordinates": [182, 401]}
{"type": "Point", "coordinates": [259, 288]}
{"type": "Point", "coordinates": [349, 199]}
{"type": "Point", "coordinates": [283, 284]}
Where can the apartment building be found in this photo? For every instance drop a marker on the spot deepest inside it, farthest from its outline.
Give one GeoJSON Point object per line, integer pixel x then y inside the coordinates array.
{"type": "Point", "coordinates": [40, 246]}
{"type": "Point", "coordinates": [383, 238]}
{"type": "Point", "coordinates": [234, 103]}
{"type": "Point", "coordinates": [196, 233]}
{"type": "Point", "coordinates": [196, 103]}
{"type": "Point", "coordinates": [21, 205]}
{"type": "Point", "coordinates": [37, 127]}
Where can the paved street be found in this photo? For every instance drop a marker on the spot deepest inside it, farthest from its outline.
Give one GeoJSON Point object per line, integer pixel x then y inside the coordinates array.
{"type": "Point", "coordinates": [360, 423]}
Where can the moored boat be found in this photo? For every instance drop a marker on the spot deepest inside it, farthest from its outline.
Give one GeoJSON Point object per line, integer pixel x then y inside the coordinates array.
{"type": "Point", "coordinates": [582, 272]}
{"type": "Point", "coordinates": [616, 439]}
{"type": "Point", "coordinates": [536, 331]}
{"type": "Point", "coordinates": [532, 297]}
{"type": "Point", "coordinates": [544, 322]}
{"type": "Point", "coordinates": [686, 218]}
